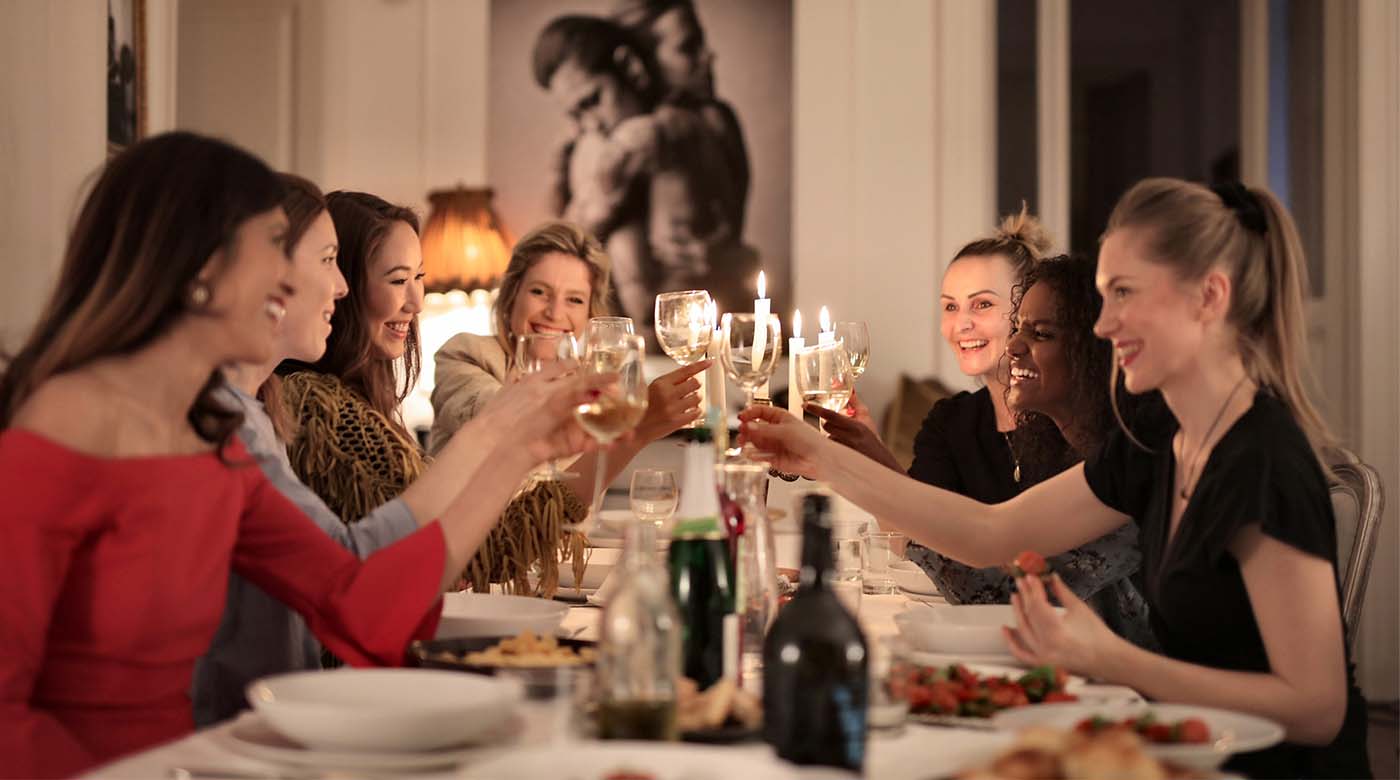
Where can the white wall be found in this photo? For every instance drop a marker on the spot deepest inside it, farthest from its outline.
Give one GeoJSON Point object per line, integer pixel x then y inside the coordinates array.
{"type": "Point", "coordinates": [52, 137]}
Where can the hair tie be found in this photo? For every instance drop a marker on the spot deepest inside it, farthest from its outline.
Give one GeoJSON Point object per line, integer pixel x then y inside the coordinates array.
{"type": "Point", "coordinates": [1244, 203]}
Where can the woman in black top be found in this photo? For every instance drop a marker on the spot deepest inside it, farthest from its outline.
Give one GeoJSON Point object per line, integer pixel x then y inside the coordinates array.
{"type": "Point", "coordinates": [1203, 301]}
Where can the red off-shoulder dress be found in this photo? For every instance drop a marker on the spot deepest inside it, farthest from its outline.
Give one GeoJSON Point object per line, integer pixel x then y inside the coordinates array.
{"type": "Point", "coordinates": [112, 579]}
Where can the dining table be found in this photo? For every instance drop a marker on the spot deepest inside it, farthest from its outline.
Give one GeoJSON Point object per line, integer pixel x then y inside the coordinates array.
{"type": "Point", "coordinates": [913, 751]}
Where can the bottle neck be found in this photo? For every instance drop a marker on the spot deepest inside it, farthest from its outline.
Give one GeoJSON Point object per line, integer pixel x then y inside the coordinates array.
{"type": "Point", "coordinates": [698, 513]}
{"type": "Point", "coordinates": [817, 556]}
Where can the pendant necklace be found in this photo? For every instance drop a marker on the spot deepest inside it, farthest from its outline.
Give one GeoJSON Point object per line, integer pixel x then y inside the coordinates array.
{"type": "Point", "coordinates": [1016, 472]}
{"type": "Point", "coordinates": [1186, 486]}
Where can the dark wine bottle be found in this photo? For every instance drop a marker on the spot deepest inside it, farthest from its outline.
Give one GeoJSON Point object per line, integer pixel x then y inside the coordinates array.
{"type": "Point", "coordinates": [815, 675]}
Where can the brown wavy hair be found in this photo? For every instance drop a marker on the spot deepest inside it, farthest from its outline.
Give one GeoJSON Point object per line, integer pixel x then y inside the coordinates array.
{"type": "Point", "coordinates": [304, 203]}
{"type": "Point", "coordinates": [153, 218]}
{"type": "Point", "coordinates": [362, 221]}
{"type": "Point", "coordinates": [1190, 228]}
{"type": "Point", "coordinates": [556, 236]}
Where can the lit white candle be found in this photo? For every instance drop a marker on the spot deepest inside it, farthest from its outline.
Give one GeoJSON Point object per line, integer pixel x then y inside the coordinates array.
{"type": "Point", "coordinates": [762, 307]}
{"type": "Point", "coordinates": [795, 345]}
{"type": "Point", "coordinates": [826, 335]}
{"type": "Point", "coordinates": [714, 377]}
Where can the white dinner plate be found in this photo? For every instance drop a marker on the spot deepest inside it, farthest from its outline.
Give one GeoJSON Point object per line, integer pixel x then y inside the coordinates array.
{"type": "Point", "coordinates": [466, 614]}
{"type": "Point", "coordinates": [1231, 732]}
{"type": "Point", "coordinates": [910, 578]}
{"type": "Point", "coordinates": [658, 761]}
{"type": "Point", "coordinates": [251, 736]}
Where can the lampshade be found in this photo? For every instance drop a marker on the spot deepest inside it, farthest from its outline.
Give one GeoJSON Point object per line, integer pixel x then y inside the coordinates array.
{"type": "Point", "coordinates": [464, 245]}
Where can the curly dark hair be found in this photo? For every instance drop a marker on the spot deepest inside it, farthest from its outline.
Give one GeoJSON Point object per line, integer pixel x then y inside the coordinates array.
{"type": "Point", "coordinates": [1037, 442]}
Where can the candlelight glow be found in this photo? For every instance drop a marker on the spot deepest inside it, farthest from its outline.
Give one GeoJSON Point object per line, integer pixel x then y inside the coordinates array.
{"type": "Point", "coordinates": [797, 323]}
{"type": "Point", "coordinates": [762, 285]}
{"type": "Point", "coordinates": [713, 314]}
{"type": "Point", "coordinates": [824, 319]}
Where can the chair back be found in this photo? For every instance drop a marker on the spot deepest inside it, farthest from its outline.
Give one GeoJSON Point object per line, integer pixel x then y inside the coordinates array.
{"type": "Point", "coordinates": [1358, 502]}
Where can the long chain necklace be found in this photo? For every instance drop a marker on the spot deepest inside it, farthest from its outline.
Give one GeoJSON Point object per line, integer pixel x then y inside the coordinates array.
{"type": "Point", "coordinates": [1188, 486]}
{"type": "Point", "coordinates": [1016, 472]}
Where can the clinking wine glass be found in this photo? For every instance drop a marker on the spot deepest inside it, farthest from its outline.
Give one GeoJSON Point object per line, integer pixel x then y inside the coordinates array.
{"type": "Point", "coordinates": [619, 405]}
{"type": "Point", "coordinates": [536, 351]}
{"type": "Point", "coordinates": [856, 337]}
{"type": "Point", "coordinates": [750, 349]}
{"type": "Point", "coordinates": [824, 376]}
{"type": "Point", "coordinates": [619, 325]}
{"type": "Point", "coordinates": [685, 324]}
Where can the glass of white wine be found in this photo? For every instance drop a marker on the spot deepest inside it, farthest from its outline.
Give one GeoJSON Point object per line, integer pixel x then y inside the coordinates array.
{"type": "Point", "coordinates": [619, 405]}
{"type": "Point", "coordinates": [621, 325]}
{"type": "Point", "coordinates": [824, 376]}
{"type": "Point", "coordinates": [856, 337]}
{"type": "Point", "coordinates": [750, 349]}
{"type": "Point", "coordinates": [685, 324]}
{"type": "Point", "coordinates": [654, 495]}
{"type": "Point", "coordinates": [533, 353]}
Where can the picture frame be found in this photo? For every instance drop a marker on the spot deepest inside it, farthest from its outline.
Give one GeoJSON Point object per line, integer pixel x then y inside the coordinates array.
{"type": "Point", "coordinates": [126, 73]}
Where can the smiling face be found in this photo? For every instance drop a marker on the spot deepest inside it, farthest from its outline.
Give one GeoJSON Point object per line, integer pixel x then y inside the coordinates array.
{"type": "Point", "coordinates": [316, 283]}
{"type": "Point", "coordinates": [394, 290]}
{"type": "Point", "coordinates": [248, 282]}
{"type": "Point", "coordinates": [553, 297]}
{"type": "Point", "coordinates": [976, 304]}
{"type": "Point", "coordinates": [1150, 315]}
{"type": "Point", "coordinates": [1041, 378]}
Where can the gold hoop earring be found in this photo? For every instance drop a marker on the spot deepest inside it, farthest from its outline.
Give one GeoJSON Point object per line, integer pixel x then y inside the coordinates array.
{"type": "Point", "coordinates": [200, 293]}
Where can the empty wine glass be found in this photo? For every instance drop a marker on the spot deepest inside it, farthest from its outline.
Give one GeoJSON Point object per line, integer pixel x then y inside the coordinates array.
{"type": "Point", "coordinates": [824, 376]}
{"type": "Point", "coordinates": [622, 325]}
{"type": "Point", "coordinates": [856, 336]}
{"type": "Point", "coordinates": [749, 349]}
{"type": "Point", "coordinates": [654, 495]}
{"type": "Point", "coordinates": [619, 405]}
{"type": "Point", "coordinates": [536, 351]}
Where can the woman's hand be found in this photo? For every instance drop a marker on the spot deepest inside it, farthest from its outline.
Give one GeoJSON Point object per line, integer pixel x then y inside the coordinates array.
{"type": "Point", "coordinates": [537, 412]}
{"type": "Point", "coordinates": [673, 400]}
{"type": "Point", "coordinates": [854, 428]}
{"type": "Point", "coordinates": [783, 440]}
{"type": "Point", "coordinates": [1075, 639]}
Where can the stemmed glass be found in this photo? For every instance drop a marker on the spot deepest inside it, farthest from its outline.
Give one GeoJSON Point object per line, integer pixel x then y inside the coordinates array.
{"type": "Point", "coordinates": [654, 495]}
{"type": "Point", "coordinates": [744, 335]}
{"type": "Point", "coordinates": [856, 337]}
{"type": "Point", "coordinates": [685, 324]}
{"type": "Point", "coordinates": [620, 325]}
{"type": "Point", "coordinates": [824, 376]}
{"type": "Point", "coordinates": [619, 406]}
{"type": "Point", "coordinates": [533, 353]}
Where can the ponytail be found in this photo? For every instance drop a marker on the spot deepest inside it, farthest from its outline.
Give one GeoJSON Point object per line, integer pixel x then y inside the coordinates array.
{"type": "Point", "coordinates": [1020, 238]}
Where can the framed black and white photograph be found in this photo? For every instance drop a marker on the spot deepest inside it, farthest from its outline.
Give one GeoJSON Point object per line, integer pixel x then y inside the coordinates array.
{"type": "Point", "coordinates": [126, 72]}
{"type": "Point", "coordinates": [664, 126]}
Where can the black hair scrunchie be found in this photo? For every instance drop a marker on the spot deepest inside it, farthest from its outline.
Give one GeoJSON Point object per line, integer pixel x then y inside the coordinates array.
{"type": "Point", "coordinates": [1244, 203]}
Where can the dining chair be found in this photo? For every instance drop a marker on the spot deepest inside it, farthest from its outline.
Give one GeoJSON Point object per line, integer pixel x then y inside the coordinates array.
{"type": "Point", "coordinates": [1358, 501]}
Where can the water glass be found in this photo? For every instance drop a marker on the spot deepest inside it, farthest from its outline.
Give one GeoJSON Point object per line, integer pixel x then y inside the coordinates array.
{"type": "Point", "coordinates": [846, 569]}
{"type": "Point", "coordinates": [879, 550]}
{"type": "Point", "coordinates": [558, 704]}
{"type": "Point", "coordinates": [889, 694]}
{"type": "Point", "coordinates": [654, 495]}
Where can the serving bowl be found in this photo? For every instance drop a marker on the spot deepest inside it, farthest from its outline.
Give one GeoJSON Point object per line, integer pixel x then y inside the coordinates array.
{"type": "Point", "coordinates": [466, 614]}
{"type": "Point", "coordinates": [966, 629]}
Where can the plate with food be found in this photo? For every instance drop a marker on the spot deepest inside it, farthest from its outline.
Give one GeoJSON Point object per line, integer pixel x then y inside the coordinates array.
{"type": "Point", "coordinates": [1201, 737]}
{"type": "Point", "coordinates": [488, 655]}
{"type": "Point", "coordinates": [721, 714]}
{"type": "Point", "coordinates": [632, 761]}
{"type": "Point", "coordinates": [1043, 751]}
{"type": "Point", "coordinates": [969, 695]}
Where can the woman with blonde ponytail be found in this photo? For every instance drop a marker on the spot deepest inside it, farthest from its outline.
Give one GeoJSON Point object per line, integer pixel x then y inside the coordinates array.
{"type": "Point", "coordinates": [1203, 302]}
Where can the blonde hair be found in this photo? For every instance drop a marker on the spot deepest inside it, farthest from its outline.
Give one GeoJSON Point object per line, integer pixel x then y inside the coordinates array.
{"type": "Point", "coordinates": [1020, 238]}
{"type": "Point", "coordinates": [1192, 229]}
{"type": "Point", "coordinates": [556, 236]}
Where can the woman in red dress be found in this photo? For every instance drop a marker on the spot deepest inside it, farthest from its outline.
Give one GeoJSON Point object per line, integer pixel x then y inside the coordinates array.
{"type": "Point", "coordinates": [128, 500]}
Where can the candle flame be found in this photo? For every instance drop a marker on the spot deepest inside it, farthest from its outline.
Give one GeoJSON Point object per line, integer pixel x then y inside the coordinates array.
{"type": "Point", "coordinates": [825, 320]}
{"type": "Point", "coordinates": [797, 323]}
{"type": "Point", "coordinates": [762, 285]}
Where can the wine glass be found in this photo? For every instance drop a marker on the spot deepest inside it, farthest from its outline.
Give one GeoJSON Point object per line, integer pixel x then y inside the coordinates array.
{"type": "Point", "coordinates": [533, 353]}
{"type": "Point", "coordinates": [619, 406]}
{"type": "Point", "coordinates": [622, 325]}
{"type": "Point", "coordinates": [749, 349]}
{"type": "Point", "coordinates": [685, 324]}
{"type": "Point", "coordinates": [654, 495]}
{"type": "Point", "coordinates": [824, 376]}
{"type": "Point", "coordinates": [856, 336]}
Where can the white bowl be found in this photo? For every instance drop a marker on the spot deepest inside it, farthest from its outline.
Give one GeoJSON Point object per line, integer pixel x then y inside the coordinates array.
{"type": "Point", "coordinates": [1231, 732]}
{"type": "Point", "coordinates": [467, 614]}
{"type": "Point", "coordinates": [964, 629]}
{"type": "Point", "coordinates": [911, 577]}
{"type": "Point", "coordinates": [384, 709]}
{"type": "Point", "coordinates": [601, 561]}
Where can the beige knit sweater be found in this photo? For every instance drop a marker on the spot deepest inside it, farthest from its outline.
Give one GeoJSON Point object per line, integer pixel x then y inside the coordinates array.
{"type": "Point", "coordinates": [469, 370]}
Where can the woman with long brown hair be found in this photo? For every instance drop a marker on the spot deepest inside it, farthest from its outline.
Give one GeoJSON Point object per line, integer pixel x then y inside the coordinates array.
{"type": "Point", "coordinates": [1203, 301]}
{"type": "Point", "coordinates": [128, 498]}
